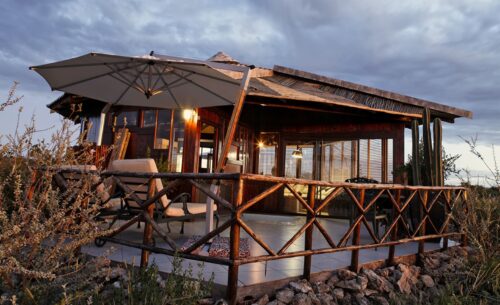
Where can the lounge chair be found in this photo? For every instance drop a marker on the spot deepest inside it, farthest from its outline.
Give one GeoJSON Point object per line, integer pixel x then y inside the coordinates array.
{"type": "Point", "coordinates": [178, 209]}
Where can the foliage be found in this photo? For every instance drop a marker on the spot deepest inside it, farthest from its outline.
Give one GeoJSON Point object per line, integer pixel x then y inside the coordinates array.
{"type": "Point", "coordinates": [449, 164]}
{"type": "Point", "coordinates": [42, 227]}
{"type": "Point", "coordinates": [146, 286]}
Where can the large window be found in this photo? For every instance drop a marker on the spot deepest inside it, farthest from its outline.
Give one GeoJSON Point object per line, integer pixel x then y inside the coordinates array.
{"type": "Point", "coordinates": [91, 125]}
{"type": "Point", "coordinates": [162, 134]}
{"type": "Point", "coordinates": [127, 118]}
{"type": "Point", "coordinates": [177, 142]}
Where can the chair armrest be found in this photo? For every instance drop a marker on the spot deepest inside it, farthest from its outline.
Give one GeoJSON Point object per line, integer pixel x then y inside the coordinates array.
{"type": "Point", "coordinates": [184, 198]}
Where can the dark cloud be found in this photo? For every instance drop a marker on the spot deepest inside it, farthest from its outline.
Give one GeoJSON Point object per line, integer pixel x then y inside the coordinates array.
{"type": "Point", "coordinates": [445, 51]}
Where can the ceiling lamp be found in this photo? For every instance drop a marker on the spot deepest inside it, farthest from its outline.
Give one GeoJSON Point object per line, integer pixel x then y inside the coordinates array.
{"type": "Point", "coordinates": [297, 154]}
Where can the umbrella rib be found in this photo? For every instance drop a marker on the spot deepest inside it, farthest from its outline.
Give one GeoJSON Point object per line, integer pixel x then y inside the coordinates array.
{"type": "Point", "coordinates": [89, 79]}
{"type": "Point", "coordinates": [126, 89]}
{"type": "Point", "coordinates": [235, 82]}
{"type": "Point", "coordinates": [206, 89]}
{"type": "Point", "coordinates": [167, 87]}
{"type": "Point", "coordinates": [160, 74]}
{"type": "Point", "coordinates": [122, 78]}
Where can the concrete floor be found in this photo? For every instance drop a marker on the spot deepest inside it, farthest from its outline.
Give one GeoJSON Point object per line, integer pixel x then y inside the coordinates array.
{"type": "Point", "coordinates": [275, 231]}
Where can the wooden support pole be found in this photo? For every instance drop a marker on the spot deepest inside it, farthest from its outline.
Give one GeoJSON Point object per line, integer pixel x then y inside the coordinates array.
{"type": "Point", "coordinates": [447, 211]}
{"type": "Point", "coordinates": [148, 228]}
{"type": "Point", "coordinates": [421, 244]}
{"type": "Point", "coordinates": [357, 234]}
{"type": "Point", "coordinates": [233, 122]}
{"type": "Point", "coordinates": [394, 233]}
{"type": "Point", "coordinates": [234, 249]}
{"type": "Point", "coordinates": [463, 240]}
{"type": "Point", "coordinates": [311, 194]}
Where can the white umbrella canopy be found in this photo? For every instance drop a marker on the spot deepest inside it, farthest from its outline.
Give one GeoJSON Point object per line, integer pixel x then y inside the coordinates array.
{"type": "Point", "coordinates": [146, 81]}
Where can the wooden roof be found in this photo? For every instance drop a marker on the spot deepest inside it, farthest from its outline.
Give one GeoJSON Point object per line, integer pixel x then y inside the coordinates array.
{"type": "Point", "coordinates": [374, 98]}
{"type": "Point", "coordinates": [282, 83]}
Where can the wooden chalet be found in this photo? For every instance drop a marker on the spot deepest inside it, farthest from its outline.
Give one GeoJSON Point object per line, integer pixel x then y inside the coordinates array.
{"type": "Point", "coordinates": [294, 124]}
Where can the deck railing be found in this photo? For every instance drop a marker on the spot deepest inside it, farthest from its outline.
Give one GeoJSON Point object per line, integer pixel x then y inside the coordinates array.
{"type": "Point", "coordinates": [400, 199]}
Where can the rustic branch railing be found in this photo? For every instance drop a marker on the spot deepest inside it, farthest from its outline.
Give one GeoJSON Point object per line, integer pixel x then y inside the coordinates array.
{"type": "Point", "coordinates": [400, 230]}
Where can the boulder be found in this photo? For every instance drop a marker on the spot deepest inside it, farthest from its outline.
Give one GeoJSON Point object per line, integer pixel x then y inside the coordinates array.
{"type": "Point", "coordinates": [314, 299]}
{"type": "Point", "coordinates": [301, 286]}
{"type": "Point", "coordinates": [361, 300]}
{"type": "Point", "coordinates": [321, 287]}
{"type": "Point", "coordinates": [338, 293]}
{"type": "Point", "coordinates": [345, 274]}
{"type": "Point", "coordinates": [326, 299]}
{"type": "Point", "coordinates": [333, 280]}
{"type": "Point", "coordinates": [377, 282]}
{"type": "Point", "coordinates": [301, 299]}
{"type": "Point", "coordinates": [427, 281]}
{"type": "Point", "coordinates": [262, 301]}
{"type": "Point", "coordinates": [285, 295]}
{"type": "Point", "coordinates": [359, 283]}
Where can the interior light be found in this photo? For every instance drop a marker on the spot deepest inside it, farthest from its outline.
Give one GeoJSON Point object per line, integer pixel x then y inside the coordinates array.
{"type": "Point", "coordinates": [297, 154]}
{"type": "Point", "coordinates": [260, 144]}
{"type": "Point", "coordinates": [188, 114]}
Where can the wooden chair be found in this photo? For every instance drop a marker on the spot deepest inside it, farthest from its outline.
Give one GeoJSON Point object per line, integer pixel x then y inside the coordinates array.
{"type": "Point", "coordinates": [166, 210]}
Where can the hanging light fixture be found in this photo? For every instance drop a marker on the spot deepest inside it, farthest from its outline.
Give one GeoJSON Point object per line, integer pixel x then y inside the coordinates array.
{"type": "Point", "coordinates": [297, 154]}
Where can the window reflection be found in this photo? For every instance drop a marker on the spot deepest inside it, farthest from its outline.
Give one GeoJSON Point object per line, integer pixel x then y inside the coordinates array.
{"type": "Point", "coordinates": [162, 136]}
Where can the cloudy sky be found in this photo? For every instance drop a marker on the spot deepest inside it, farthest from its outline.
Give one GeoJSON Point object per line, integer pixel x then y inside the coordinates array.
{"type": "Point", "coordinates": [444, 51]}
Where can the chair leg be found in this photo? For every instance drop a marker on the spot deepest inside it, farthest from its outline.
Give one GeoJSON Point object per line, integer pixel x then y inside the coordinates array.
{"type": "Point", "coordinates": [182, 228]}
{"type": "Point", "coordinates": [168, 226]}
{"type": "Point", "coordinates": [216, 215]}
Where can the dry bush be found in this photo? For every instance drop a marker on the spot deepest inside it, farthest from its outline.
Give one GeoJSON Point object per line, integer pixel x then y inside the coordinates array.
{"type": "Point", "coordinates": [42, 227]}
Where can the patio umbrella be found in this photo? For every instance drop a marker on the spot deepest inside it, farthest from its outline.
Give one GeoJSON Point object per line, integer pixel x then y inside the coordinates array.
{"type": "Point", "coordinates": [156, 81]}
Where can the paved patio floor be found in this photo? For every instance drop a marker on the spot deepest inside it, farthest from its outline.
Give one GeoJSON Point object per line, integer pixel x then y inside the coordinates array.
{"type": "Point", "coordinates": [274, 230]}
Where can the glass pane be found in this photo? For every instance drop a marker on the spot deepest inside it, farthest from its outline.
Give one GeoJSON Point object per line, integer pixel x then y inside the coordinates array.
{"type": "Point", "coordinates": [149, 118]}
{"type": "Point", "coordinates": [375, 164]}
{"type": "Point", "coordinates": [177, 142]}
{"type": "Point", "coordinates": [162, 139]}
{"type": "Point", "coordinates": [364, 169]}
{"type": "Point", "coordinates": [299, 161]}
{"type": "Point", "coordinates": [127, 118]}
{"type": "Point", "coordinates": [267, 160]}
{"type": "Point", "coordinates": [207, 146]}
{"type": "Point", "coordinates": [390, 161]}
{"type": "Point", "coordinates": [92, 125]}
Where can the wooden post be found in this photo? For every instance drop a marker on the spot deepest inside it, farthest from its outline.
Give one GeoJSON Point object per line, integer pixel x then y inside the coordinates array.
{"type": "Point", "coordinates": [394, 233]}
{"type": "Point", "coordinates": [463, 241]}
{"type": "Point", "coordinates": [446, 212]}
{"type": "Point", "coordinates": [421, 244]}
{"type": "Point", "coordinates": [356, 236]}
{"type": "Point", "coordinates": [311, 194]}
{"type": "Point", "coordinates": [147, 238]}
{"type": "Point", "coordinates": [234, 249]}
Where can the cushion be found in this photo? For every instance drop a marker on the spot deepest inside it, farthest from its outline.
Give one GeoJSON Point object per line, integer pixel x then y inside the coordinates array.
{"type": "Point", "coordinates": [175, 209]}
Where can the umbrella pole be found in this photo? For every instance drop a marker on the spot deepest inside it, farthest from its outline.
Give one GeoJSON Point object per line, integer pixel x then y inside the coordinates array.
{"type": "Point", "coordinates": [102, 121]}
{"type": "Point", "coordinates": [233, 122]}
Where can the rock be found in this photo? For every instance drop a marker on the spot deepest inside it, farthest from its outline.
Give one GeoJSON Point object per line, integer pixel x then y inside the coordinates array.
{"type": "Point", "coordinates": [117, 285]}
{"type": "Point", "coordinates": [321, 287]}
{"type": "Point", "coordinates": [379, 300]}
{"type": "Point", "coordinates": [338, 293]}
{"type": "Point", "coordinates": [117, 273]}
{"type": "Point", "coordinates": [345, 274]}
{"type": "Point", "coordinates": [314, 299]}
{"type": "Point", "coordinates": [369, 292]}
{"type": "Point", "coordinates": [357, 284]}
{"type": "Point", "coordinates": [285, 295]}
{"type": "Point", "coordinates": [301, 286]}
{"type": "Point", "coordinates": [262, 301]}
{"type": "Point", "coordinates": [377, 282]}
{"type": "Point", "coordinates": [347, 300]}
{"type": "Point", "coordinates": [333, 280]}
{"type": "Point", "coordinates": [326, 299]}
{"type": "Point", "coordinates": [220, 302]}
{"type": "Point", "coordinates": [206, 301]}
{"type": "Point", "coordinates": [427, 281]}
{"type": "Point", "coordinates": [408, 279]}
{"type": "Point", "coordinates": [301, 299]}
{"type": "Point", "coordinates": [361, 300]}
